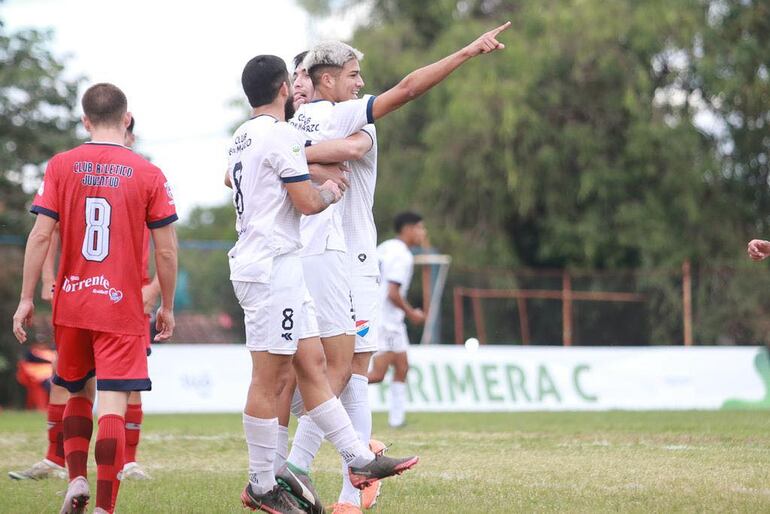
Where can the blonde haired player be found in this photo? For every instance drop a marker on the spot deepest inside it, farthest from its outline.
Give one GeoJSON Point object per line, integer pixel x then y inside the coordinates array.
{"type": "Point", "coordinates": [334, 69]}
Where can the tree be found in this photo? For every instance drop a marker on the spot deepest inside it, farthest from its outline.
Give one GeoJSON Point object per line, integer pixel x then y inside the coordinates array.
{"type": "Point", "coordinates": [37, 119]}
{"type": "Point", "coordinates": [583, 144]}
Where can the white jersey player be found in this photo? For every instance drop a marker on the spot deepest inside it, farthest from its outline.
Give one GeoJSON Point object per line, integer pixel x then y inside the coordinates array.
{"type": "Point", "coordinates": [271, 187]}
{"type": "Point", "coordinates": [335, 73]}
{"type": "Point", "coordinates": [397, 265]}
{"type": "Point", "coordinates": [324, 250]}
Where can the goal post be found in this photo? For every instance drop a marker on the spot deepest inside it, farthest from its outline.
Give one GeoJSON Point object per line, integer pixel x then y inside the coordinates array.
{"type": "Point", "coordinates": [435, 269]}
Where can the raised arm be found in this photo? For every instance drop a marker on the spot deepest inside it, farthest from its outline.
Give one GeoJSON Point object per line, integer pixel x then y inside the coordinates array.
{"type": "Point", "coordinates": [421, 80]}
{"type": "Point", "coordinates": [351, 148]}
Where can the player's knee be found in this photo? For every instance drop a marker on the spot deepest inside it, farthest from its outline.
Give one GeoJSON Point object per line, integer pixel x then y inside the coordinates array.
{"type": "Point", "coordinates": [339, 376]}
{"type": "Point", "coordinates": [361, 363]}
{"type": "Point", "coordinates": [376, 376]}
{"type": "Point", "coordinates": [310, 367]}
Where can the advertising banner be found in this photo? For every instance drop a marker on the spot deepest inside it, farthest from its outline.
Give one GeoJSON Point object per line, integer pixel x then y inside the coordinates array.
{"type": "Point", "coordinates": [214, 378]}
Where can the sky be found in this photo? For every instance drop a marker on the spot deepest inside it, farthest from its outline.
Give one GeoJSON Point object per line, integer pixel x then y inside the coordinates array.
{"type": "Point", "coordinates": [180, 68]}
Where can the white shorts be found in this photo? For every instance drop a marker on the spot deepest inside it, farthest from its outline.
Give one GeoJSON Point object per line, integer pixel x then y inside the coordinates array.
{"type": "Point", "coordinates": [393, 340]}
{"type": "Point", "coordinates": [276, 314]}
{"type": "Point", "coordinates": [366, 302]}
{"type": "Point", "coordinates": [328, 281]}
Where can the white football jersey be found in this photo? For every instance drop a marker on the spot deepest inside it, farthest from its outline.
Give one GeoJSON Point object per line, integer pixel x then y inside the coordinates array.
{"type": "Point", "coordinates": [264, 154]}
{"type": "Point", "coordinates": [322, 120]}
{"type": "Point", "coordinates": [357, 212]}
{"type": "Point", "coordinates": [396, 265]}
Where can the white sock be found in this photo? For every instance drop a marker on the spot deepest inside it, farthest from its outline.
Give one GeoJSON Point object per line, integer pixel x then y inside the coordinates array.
{"type": "Point", "coordinates": [282, 448]}
{"type": "Point", "coordinates": [297, 407]}
{"type": "Point", "coordinates": [397, 414]}
{"type": "Point", "coordinates": [355, 399]}
{"type": "Point", "coordinates": [332, 419]}
{"type": "Point", "coordinates": [261, 436]}
{"type": "Point", "coordinates": [307, 441]}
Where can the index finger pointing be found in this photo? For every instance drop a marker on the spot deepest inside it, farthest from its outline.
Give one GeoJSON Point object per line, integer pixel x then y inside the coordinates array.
{"type": "Point", "coordinates": [501, 28]}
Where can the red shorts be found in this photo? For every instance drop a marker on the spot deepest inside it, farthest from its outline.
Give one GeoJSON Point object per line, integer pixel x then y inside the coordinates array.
{"type": "Point", "coordinates": [118, 361]}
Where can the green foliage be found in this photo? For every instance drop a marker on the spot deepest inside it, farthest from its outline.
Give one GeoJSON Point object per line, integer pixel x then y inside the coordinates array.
{"type": "Point", "coordinates": [607, 135]}
{"type": "Point", "coordinates": [37, 119]}
{"type": "Point", "coordinates": [212, 229]}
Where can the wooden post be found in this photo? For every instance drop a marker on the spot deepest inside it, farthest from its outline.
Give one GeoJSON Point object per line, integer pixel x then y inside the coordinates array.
{"type": "Point", "coordinates": [523, 320]}
{"type": "Point", "coordinates": [566, 312]}
{"type": "Point", "coordinates": [459, 324]}
{"type": "Point", "coordinates": [478, 318]}
{"type": "Point", "coordinates": [687, 302]}
{"type": "Point", "coordinates": [427, 271]}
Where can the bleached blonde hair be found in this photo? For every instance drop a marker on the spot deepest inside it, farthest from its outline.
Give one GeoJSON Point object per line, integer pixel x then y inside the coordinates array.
{"type": "Point", "coordinates": [330, 53]}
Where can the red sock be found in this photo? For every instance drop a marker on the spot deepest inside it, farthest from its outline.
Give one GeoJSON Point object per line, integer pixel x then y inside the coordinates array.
{"type": "Point", "coordinates": [55, 451]}
{"type": "Point", "coordinates": [77, 427]}
{"type": "Point", "coordinates": [133, 429]}
{"type": "Point", "coordinates": [110, 443]}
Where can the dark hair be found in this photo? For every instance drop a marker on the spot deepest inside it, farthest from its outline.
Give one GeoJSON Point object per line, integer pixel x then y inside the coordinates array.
{"type": "Point", "coordinates": [262, 78]}
{"type": "Point", "coordinates": [405, 218]}
{"type": "Point", "coordinates": [104, 104]}
{"type": "Point", "coordinates": [298, 59]}
{"type": "Point", "coordinates": [317, 71]}
{"type": "Point", "coordinates": [131, 125]}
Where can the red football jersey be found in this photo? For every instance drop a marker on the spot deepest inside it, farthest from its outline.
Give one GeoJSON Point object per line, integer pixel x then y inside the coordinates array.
{"type": "Point", "coordinates": [103, 195]}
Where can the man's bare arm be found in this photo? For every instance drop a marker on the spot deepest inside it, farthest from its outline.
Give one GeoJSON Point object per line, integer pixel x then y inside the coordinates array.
{"type": "Point", "coordinates": [311, 200]}
{"type": "Point", "coordinates": [150, 294]}
{"type": "Point", "coordinates": [34, 255]}
{"type": "Point", "coordinates": [421, 80]}
{"type": "Point", "coordinates": [320, 173]}
{"type": "Point", "coordinates": [414, 315]}
{"type": "Point", "coordinates": [164, 241]}
{"type": "Point", "coordinates": [352, 148]}
{"type": "Point", "coordinates": [49, 267]}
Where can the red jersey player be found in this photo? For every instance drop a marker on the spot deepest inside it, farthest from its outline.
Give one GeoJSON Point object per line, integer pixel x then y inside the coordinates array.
{"type": "Point", "coordinates": [53, 463]}
{"type": "Point", "coordinates": [103, 195]}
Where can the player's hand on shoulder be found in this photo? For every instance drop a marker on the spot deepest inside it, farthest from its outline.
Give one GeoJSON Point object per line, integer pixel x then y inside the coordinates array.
{"type": "Point", "coordinates": [487, 42]}
{"type": "Point", "coordinates": [336, 172]}
{"type": "Point", "coordinates": [758, 249]}
{"type": "Point", "coordinates": [164, 324]}
{"type": "Point", "coordinates": [22, 317]}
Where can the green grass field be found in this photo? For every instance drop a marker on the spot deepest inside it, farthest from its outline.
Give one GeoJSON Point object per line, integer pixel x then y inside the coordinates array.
{"type": "Point", "coordinates": [530, 462]}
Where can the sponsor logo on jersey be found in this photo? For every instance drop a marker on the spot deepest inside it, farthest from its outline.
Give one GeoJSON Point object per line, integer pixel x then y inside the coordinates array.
{"type": "Point", "coordinates": [115, 295]}
{"type": "Point", "coordinates": [362, 257]}
{"type": "Point", "coordinates": [362, 327]}
{"type": "Point", "coordinates": [170, 193]}
{"type": "Point", "coordinates": [296, 149]}
{"type": "Point", "coordinates": [97, 285]}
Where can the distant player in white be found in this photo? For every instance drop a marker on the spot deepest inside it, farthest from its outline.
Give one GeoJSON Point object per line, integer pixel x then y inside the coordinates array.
{"type": "Point", "coordinates": [397, 265]}
{"type": "Point", "coordinates": [271, 188]}
{"type": "Point", "coordinates": [334, 70]}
